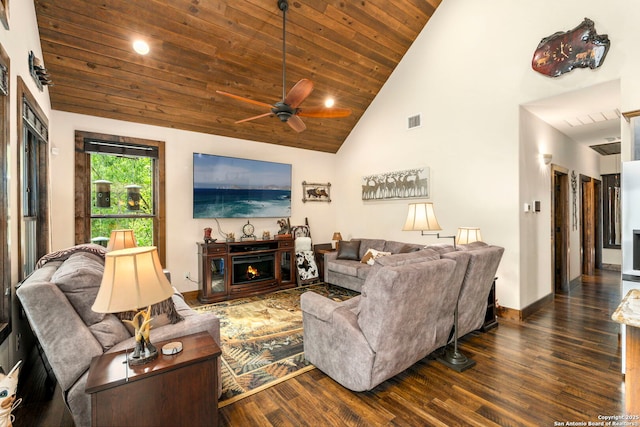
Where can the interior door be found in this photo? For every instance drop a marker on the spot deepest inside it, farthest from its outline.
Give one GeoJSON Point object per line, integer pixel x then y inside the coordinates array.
{"type": "Point", "coordinates": [560, 233]}
{"type": "Point", "coordinates": [588, 233]}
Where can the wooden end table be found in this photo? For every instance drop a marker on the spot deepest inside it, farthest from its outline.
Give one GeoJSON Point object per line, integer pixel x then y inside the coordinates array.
{"type": "Point", "coordinates": [171, 390]}
{"type": "Point", "coordinates": [318, 251]}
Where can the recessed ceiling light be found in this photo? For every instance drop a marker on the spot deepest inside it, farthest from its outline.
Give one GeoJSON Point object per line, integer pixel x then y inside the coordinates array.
{"type": "Point", "coordinates": [141, 47]}
{"type": "Point", "coordinates": [329, 102]}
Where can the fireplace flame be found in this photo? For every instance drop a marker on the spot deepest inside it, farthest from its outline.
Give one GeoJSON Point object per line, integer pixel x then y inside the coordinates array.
{"type": "Point", "coordinates": [252, 272]}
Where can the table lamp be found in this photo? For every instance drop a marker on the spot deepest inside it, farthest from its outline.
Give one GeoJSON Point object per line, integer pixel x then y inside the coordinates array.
{"type": "Point", "coordinates": [133, 279]}
{"type": "Point", "coordinates": [468, 235]}
{"type": "Point", "coordinates": [336, 238]}
{"type": "Point", "coordinates": [121, 239]}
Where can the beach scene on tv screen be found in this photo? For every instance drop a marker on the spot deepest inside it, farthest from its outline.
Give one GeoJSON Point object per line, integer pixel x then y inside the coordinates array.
{"type": "Point", "coordinates": [229, 187]}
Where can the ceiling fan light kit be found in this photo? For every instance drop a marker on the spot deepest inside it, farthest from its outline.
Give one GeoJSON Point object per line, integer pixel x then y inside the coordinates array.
{"type": "Point", "coordinates": [287, 109]}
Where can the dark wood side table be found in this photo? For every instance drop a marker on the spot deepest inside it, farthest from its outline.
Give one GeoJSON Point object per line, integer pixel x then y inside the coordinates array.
{"type": "Point", "coordinates": [179, 389]}
{"type": "Point", "coordinates": [318, 252]}
{"type": "Point", "coordinates": [491, 315]}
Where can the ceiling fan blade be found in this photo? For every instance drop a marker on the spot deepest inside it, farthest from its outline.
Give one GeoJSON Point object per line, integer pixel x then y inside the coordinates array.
{"type": "Point", "coordinates": [296, 123]}
{"type": "Point", "coordinates": [299, 93]}
{"type": "Point", "coordinates": [243, 99]}
{"type": "Point", "coordinates": [324, 112]}
{"type": "Point", "coordinates": [259, 116]}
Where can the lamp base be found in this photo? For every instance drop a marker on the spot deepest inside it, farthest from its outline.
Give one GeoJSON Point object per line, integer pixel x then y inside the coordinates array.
{"type": "Point", "coordinates": [456, 360]}
{"type": "Point", "coordinates": [146, 356]}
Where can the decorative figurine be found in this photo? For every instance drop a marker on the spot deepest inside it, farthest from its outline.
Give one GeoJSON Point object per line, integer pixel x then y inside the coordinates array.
{"type": "Point", "coordinates": [8, 401]}
{"type": "Point", "coordinates": [284, 226]}
{"type": "Point", "coordinates": [207, 236]}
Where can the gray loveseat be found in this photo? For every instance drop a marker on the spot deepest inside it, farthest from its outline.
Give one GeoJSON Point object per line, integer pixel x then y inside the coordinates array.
{"type": "Point", "coordinates": [57, 299]}
{"type": "Point", "coordinates": [344, 267]}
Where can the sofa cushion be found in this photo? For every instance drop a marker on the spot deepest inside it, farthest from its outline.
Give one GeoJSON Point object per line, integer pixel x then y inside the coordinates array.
{"type": "Point", "coordinates": [410, 247]}
{"type": "Point", "coordinates": [79, 279]}
{"type": "Point", "coordinates": [349, 250]}
{"type": "Point", "coordinates": [109, 332]}
{"type": "Point", "coordinates": [408, 258]}
{"type": "Point", "coordinates": [442, 248]}
{"type": "Point", "coordinates": [366, 244]}
{"type": "Point", "coordinates": [472, 246]}
{"type": "Point", "coordinates": [343, 266]}
{"type": "Point", "coordinates": [399, 247]}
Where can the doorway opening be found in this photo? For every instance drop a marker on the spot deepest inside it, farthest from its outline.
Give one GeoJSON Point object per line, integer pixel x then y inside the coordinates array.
{"type": "Point", "coordinates": [591, 225]}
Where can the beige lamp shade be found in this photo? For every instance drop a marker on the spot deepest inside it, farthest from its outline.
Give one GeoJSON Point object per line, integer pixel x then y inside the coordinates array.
{"type": "Point", "coordinates": [421, 217]}
{"type": "Point", "coordinates": [468, 235]}
{"type": "Point", "coordinates": [133, 279]}
{"type": "Point", "coordinates": [337, 236]}
{"type": "Point", "coordinates": [121, 239]}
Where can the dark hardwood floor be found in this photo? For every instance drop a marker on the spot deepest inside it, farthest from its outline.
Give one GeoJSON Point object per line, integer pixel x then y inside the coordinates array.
{"type": "Point", "coordinates": [561, 365]}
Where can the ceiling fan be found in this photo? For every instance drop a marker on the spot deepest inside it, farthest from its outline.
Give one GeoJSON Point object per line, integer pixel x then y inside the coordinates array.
{"type": "Point", "coordinates": [288, 110]}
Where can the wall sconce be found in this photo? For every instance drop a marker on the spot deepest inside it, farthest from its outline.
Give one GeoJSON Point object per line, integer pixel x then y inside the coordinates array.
{"type": "Point", "coordinates": [38, 72]}
{"type": "Point", "coordinates": [421, 217]}
{"type": "Point", "coordinates": [546, 158]}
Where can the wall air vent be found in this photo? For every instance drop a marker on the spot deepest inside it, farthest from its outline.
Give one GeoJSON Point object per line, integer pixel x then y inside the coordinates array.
{"type": "Point", "coordinates": [414, 121]}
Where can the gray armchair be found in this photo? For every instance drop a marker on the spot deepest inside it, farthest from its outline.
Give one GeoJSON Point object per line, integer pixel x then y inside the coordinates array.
{"type": "Point", "coordinates": [393, 324]}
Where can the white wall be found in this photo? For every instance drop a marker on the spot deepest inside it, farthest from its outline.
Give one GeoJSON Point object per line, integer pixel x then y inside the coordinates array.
{"type": "Point", "coordinates": [467, 73]}
{"type": "Point", "coordinates": [535, 228]}
{"type": "Point", "coordinates": [182, 230]}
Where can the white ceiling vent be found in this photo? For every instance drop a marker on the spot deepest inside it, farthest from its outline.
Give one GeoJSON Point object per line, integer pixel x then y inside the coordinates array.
{"type": "Point", "coordinates": [414, 121]}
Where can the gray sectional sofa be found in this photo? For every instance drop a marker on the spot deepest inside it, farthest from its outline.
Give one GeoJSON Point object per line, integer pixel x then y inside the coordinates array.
{"type": "Point", "coordinates": [57, 299]}
{"type": "Point", "coordinates": [405, 310]}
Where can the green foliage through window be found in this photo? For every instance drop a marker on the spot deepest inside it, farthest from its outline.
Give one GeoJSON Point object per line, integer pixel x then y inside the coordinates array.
{"type": "Point", "coordinates": [122, 196]}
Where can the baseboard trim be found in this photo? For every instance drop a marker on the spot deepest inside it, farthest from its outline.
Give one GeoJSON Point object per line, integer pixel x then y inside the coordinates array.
{"type": "Point", "coordinates": [190, 295]}
{"type": "Point", "coordinates": [511, 314]}
{"type": "Point", "coordinates": [611, 267]}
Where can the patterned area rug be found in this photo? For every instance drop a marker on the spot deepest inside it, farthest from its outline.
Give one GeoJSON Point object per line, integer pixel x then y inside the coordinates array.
{"type": "Point", "coordinates": [262, 339]}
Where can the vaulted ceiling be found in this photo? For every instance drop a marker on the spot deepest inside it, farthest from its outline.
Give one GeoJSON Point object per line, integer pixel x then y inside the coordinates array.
{"type": "Point", "coordinates": [347, 48]}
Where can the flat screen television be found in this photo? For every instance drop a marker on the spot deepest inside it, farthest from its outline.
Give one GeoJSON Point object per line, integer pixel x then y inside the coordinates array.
{"type": "Point", "coordinates": [229, 187]}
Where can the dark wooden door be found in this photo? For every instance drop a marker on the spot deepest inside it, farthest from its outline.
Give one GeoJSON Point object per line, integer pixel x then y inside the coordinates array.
{"type": "Point", "coordinates": [561, 231]}
{"type": "Point", "coordinates": [588, 227]}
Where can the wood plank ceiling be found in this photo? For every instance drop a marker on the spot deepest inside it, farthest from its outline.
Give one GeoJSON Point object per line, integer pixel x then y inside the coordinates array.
{"type": "Point", "coordinates": [347, 48]}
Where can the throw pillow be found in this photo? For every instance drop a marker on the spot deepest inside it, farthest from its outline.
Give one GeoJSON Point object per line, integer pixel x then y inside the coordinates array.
{"type": "Point", "coordinates": [349, 250]}
{"type": "Point", "coordinates": [109, 332]}
{"type": "Point", "coordinates": [371, 255]}
{"type": "Point", "coordinates": [79, 279]}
